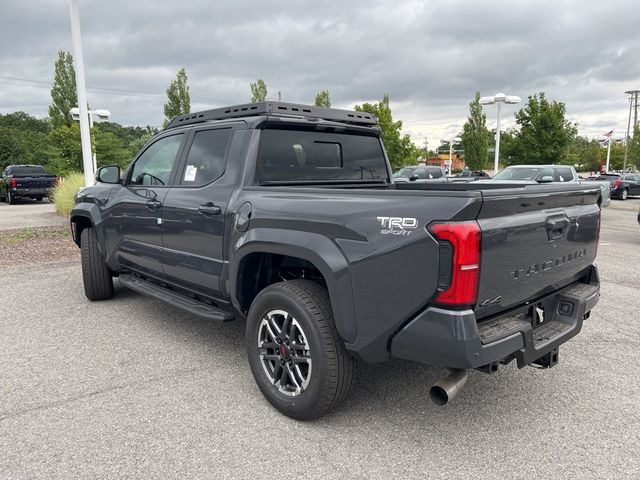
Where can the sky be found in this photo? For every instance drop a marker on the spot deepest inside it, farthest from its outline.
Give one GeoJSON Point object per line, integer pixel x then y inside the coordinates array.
{"type": "Point", "coordinates": [430, 57]}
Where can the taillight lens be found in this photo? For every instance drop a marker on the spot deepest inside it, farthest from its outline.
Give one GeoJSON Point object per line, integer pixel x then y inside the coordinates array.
{"type": "Point", "coordinates": [14, 184]}
{"type": "Point", "coordinates": [465, 240]}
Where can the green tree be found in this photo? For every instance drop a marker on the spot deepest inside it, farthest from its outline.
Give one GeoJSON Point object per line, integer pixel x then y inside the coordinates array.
{"type": "Point", "coordinates": [178, 98]}
{"type": "Point", "coordinates": [65, 150]}
{"type": "Point", "coordinates": [23, 139]}
{"type": "Point", "coordinates": [64, 96]}
{"type": "Point", "coordinates": [544, 135]}
{"type": "Point", "coordinates": [633, 153]}
{"type": "Point", "coordinates": [400, 148]}
{"type": "Point", "coordinates": [322, 99]}
{"type": "Point", "coordinates": [475, 137]}
{"type": "Point", "coordinates": [258, 91]}
{"type": "Point", "coordinates": [586, 155]}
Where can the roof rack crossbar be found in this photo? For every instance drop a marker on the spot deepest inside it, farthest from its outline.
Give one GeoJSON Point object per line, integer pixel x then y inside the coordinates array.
{"type": "Point", "coordinates": [266, 108]}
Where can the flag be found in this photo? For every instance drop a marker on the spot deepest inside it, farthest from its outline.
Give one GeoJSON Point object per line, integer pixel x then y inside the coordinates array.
{"type": "Point", "coordinates": [608, 134]}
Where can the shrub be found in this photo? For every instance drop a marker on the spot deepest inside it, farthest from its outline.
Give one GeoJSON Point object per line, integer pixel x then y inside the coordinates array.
{"type": "Point", "coordinates": [64, 193]}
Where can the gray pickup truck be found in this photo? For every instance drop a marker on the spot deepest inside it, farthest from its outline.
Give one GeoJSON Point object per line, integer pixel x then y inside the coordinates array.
{"type": "Point", "coordinates": [287, 216]}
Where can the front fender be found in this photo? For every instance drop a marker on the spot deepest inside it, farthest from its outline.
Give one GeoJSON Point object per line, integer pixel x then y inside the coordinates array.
{"type": "Point", "coordinates": [312, 247]}
{"type": "Point", "coordinates": [88, 211]}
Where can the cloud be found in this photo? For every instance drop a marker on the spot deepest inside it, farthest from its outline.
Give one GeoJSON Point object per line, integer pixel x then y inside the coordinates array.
{"type": "Point", "coordinates": [429, 56]}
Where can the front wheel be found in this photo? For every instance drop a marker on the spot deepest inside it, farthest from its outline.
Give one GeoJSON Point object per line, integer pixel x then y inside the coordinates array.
{"type": "Point", "coordinates": [624, 195]}
{"type": "Point", "coordinates": [296, 356]}
{"type": "Point", "coordinates": [98, 283]}
{"type": "Point", "coordinates": [39, 198]}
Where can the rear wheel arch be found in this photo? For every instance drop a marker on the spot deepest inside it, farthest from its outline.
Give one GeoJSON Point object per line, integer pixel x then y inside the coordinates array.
{"type": "Point", "coordinates": [252, 270]}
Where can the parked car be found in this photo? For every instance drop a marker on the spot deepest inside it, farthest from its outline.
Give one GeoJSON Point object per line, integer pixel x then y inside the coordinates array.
{"type": "Point", "coordinates": [470, 176]}
{"type": "Point", "coordinates": [25, 181]}
{"type": "Point", "coordinates": [287, 216]}
{"type": "Point", "coordinates": [421, 174]}
{"type": "Point", "coordinates": [623, 185]}
{"type": "Point", "coordinates": [551, 174]}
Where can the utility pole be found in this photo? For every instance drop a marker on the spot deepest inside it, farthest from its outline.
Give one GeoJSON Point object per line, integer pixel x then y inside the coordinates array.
{"type": "Point", "coordinates": [633, 105]}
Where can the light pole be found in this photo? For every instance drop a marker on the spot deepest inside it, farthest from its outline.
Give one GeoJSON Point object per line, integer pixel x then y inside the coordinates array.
{"type": "Point", "coordinates": [499, 98]}
{"type": "Point", "coordinates": [451, 140]}
{"type": "Point", "coordinates": [96, 116]}
{"type": "Point", "coordinates": [78, 61]}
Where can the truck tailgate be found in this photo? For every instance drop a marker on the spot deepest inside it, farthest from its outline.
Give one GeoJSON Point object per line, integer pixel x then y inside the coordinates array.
{"type": "Point", "coordinates": [534, 242]}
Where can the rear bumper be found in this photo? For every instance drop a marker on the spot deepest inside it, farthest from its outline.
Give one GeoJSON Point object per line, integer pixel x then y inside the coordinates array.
{"type": "Point", "coordinates": [31, 192]}
{"type": "Point", "coordinates": [454, 339]}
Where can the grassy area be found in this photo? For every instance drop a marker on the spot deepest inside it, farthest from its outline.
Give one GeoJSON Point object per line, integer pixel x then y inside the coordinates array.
{"type": "Point", "coordinates": [25, 234]}
{"type": "Point", "coordinates": [64, 193]}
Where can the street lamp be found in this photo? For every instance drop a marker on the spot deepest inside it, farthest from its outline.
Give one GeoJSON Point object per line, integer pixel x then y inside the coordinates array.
{"type": "Point", "coordinates": [451, 140]}
{"type": "Point", "coordinates": [95, 116]}
{"type": "Point", "coordinates": [499, 98]}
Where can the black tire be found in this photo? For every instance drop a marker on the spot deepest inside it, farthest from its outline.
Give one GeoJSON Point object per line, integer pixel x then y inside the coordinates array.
{"type": "Point", "coordinates": [331, 374]}
{"type": "Point", "coordinates": [10, 198]}
{"type": "Point", "coordinates": [624, 194]}
{"type": "Point", "coordinates": [98, 283]}
{"type": "Point", "coordinates": [39, 198]}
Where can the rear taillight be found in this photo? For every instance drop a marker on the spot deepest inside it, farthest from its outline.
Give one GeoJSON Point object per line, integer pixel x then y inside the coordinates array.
{"type": "Point", "coordinates": [464, 238]}
{"type": "Point", "coordinates": [14, 184]}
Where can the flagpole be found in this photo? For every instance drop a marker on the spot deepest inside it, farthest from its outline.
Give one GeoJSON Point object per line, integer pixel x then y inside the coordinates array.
{"type": "Point", "coordinates": [606, 169]}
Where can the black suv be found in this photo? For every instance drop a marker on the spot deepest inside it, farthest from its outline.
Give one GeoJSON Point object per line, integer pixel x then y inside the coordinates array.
{"type": "Point", "coordinates": [623, 185]}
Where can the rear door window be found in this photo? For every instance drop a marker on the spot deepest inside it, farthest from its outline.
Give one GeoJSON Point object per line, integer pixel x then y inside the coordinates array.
{"type": "Point", "coordinates": [299, 155]}
{"type": "Point", "coordinates": [434, 172]}
{"type": "Point", "coordinates": [206, 160]}
{"type": "Point", "coordinates": [563, 174]}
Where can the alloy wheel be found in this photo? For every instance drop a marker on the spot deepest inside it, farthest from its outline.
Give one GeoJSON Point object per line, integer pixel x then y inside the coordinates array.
{"type": "Point", "coordinates": [284, 352]}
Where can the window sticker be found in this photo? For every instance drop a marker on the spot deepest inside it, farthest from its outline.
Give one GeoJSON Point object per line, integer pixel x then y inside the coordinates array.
{"type": "Point", "coordinates": [190, 173]}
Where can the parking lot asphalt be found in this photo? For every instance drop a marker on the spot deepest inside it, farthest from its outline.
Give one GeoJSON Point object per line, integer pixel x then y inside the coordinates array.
{"type": "Point", "coordinates": [28, 214]}
{"type": "Point", "coordinates": [131, 388]}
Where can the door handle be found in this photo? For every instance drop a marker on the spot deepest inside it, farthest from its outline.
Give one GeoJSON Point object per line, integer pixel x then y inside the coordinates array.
{"type": "Point", "coordinates": [153, 204]}
{"type": "Point", "coordinates": [209, 209]}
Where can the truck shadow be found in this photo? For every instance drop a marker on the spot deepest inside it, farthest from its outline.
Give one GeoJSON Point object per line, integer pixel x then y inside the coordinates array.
{"type": "Point", "coordinates": [397, 390]}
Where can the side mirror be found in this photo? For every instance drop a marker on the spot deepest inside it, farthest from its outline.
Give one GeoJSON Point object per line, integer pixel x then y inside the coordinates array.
{"type": "Point", "coordinates": [108, 174]}
{"type": "Point", "coordinates": [413, 177]}
{"type": "Point", "coordinates": [546, 179]}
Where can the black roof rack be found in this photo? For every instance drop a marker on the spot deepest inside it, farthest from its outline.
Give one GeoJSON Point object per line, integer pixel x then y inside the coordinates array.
{"type": "Point", "coordinates": [271, 108]}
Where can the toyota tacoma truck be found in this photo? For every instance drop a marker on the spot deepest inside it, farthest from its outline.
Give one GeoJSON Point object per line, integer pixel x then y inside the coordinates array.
{"type": "Point", "coordinates": [286, 216]}
{"type": "Point", "coordinates": [25, 181]}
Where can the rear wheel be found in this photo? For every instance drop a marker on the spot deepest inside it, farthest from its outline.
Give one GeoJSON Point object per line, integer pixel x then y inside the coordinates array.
{"type": "Point", "coordinates": [98, 283]}
{"type": "Point", "coordinates": [624, 195]}
{"type": "Point", "coordinates": [10, 198]}
{"type": "Point", "coordinates": [296, 356]}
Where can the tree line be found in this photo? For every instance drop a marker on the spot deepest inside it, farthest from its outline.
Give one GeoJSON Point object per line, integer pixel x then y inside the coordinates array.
{"type": "Point", "coordinates": [542, 135]}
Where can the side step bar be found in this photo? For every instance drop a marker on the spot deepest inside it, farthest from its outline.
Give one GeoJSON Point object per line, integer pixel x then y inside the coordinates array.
{"type": "Point", "coordinates": [188, 304]}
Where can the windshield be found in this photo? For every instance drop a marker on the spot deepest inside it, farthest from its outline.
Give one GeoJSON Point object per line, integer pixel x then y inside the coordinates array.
{"type": "Point", "coordinates": [404, 172]}
{"type": "Point", "coordinates": [517, 173]}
